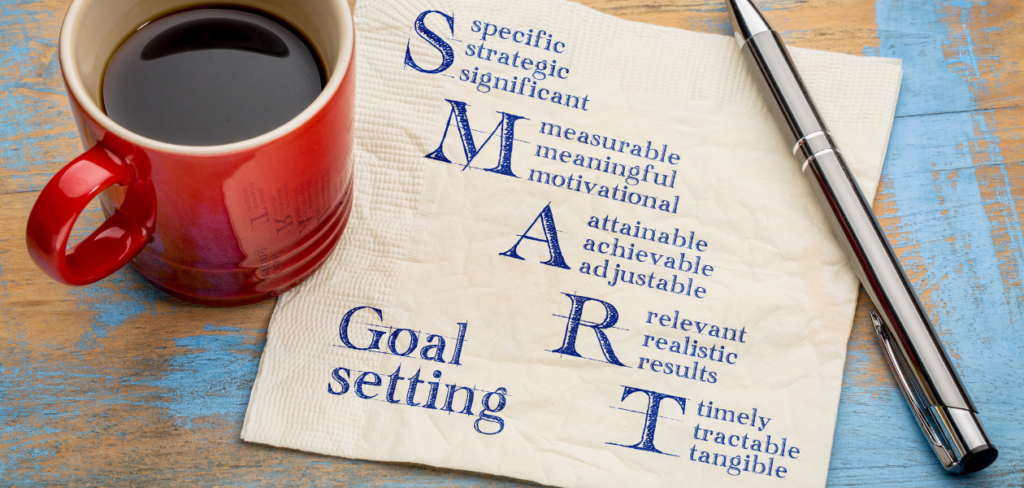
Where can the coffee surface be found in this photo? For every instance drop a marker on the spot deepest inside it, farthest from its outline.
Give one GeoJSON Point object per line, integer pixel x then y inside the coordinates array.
{"type": "Point", "coordinates": [206, 77]}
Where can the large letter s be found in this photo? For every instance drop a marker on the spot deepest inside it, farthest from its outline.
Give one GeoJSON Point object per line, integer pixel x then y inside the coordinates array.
{"type": "Point", "coordinates": [447, 54]}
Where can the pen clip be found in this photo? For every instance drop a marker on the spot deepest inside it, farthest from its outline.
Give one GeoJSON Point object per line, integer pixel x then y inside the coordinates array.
{"type": "Point", "coordinates": [923, 414]}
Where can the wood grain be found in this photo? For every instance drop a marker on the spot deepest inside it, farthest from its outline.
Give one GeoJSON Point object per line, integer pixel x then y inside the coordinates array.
{"type": "Point", "coordinates": [119, 384]}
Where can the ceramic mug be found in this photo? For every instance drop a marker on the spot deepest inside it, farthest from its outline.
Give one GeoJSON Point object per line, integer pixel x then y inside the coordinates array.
{"type": "Point", "coordinates": [217, 225]}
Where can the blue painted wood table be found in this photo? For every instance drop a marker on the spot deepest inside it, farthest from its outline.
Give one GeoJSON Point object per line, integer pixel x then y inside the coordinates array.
{"type": "Point", "coordinates": [117, 383]}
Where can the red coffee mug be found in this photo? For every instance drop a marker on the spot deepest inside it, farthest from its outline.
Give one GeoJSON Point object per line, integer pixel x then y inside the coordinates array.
{"type": "Point", "coordinates": [216, 225]}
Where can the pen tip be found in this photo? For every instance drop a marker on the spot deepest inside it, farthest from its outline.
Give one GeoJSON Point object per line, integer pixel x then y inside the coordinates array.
{"type": "Point", "coordinates": [747, 20]}
{"type": "Point", "coordinates": [979, 458]}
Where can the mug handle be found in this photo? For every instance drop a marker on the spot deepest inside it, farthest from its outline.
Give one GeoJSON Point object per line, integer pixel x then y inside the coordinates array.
{"type": "Point", "coordinates": [116, 242]}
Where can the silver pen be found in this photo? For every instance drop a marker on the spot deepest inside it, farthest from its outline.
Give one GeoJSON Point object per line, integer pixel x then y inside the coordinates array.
{"type": "Point", "coordinates": [922, 369]}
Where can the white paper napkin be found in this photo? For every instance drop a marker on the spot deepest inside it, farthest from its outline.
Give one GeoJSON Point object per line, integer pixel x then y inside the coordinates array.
{"type": "Point", "coordinates": [581, 254]}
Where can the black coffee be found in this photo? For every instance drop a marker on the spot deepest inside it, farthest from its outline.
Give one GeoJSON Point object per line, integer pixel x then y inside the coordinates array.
{"type": "Point", "coordinates": [210, 76]}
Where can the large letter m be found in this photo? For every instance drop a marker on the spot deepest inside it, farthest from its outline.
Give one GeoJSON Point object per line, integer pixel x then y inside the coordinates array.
{"type": "Point", "coordinates": [507, 126]}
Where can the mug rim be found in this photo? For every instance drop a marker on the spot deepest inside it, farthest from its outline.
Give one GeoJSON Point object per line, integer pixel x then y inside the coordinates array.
{"type": "Point", "coordinates": [76, 87]}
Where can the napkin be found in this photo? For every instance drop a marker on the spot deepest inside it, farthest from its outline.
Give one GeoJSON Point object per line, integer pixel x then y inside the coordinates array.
{"type": "Point", "coordinates": [581, 254]}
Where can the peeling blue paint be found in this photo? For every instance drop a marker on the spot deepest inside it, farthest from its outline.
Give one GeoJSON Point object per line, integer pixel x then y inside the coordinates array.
{"type": "Point", "coordinates": [713, 26]}
{"type": "Point", "coordinates": [114, 300]}
{"type": "Point", "coordinates": [23, 181]}
{"type": "Point", "coordinates": [219, 328]}
{"type": "Point", "coordinates": [19, 412]}
{"type": "Point", "coordinates": [915, 32]}
{"type": "Point", "coordinates": [769, 5]}
{"type": "Point", "coordinates": [21, 152]}
{"type": "Point", "coordinates": [932, 171]}
{"type": "Point", "coordinates": [967, 61]}
{"type": "Point", "coordinates": [209, 379]}
{"type": "Point", "coordinates": [214, 378]}
{"type": "Point", "coordinates": [3, 286]}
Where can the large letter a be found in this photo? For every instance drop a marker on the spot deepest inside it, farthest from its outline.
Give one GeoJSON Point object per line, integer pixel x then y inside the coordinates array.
{"type": "Point", "coordinates": [547, 222]}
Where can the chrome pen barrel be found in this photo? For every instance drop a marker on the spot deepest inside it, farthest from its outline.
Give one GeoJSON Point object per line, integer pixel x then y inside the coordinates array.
{"type": "Point", "coordinates": [787, 98]}
{"type": "Point", "coordinates": [875, 263]}
{"type": "Point", "coordinates": [926, 376]}
{"type": "Point", "coordinates": [924, 371]}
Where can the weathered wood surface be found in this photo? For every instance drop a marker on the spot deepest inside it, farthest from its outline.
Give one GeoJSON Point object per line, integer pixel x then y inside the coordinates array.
{"type": "Point", "coordinates": [116, 383]}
